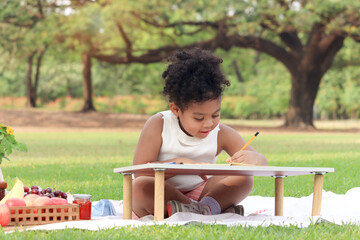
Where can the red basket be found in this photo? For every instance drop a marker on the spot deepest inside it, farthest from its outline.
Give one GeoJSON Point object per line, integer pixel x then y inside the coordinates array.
{"type": "Point", "coordinates": [38, 215]}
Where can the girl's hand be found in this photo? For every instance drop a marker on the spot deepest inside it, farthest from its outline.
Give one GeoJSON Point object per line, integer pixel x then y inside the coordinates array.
{"type": "Point", "coordinates": [248, 157]}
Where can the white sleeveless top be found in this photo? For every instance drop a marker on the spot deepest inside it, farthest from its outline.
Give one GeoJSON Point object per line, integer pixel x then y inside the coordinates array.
{"type": "Point", "coordinates": [176, 143]}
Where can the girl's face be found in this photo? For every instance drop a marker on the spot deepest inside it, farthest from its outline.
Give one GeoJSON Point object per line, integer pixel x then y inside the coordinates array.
{"type": "Point", "coordinates": [199, 119]}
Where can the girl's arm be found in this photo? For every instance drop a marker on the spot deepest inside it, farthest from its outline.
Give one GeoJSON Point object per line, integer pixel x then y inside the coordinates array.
{"type": "Point", "coordinates": [231, 142]}
{"type": "Point", "coordinates": [149, 144]}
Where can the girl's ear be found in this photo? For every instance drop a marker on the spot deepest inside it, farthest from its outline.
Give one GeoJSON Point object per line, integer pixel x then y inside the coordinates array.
{"type": "Point", "coordinates": [174, 109]}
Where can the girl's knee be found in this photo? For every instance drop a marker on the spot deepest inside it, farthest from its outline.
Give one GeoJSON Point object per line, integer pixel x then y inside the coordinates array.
{"type": "Point", "coordinates": [249, 182]}
{"type": "Point", "coordinates": [245, 183]}
{"type": "Point", "coordinates": [142, 186]}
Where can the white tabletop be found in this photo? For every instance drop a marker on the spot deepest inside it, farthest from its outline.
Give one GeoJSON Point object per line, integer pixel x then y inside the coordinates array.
{"type": "Point", "coordinates": [221, 169]}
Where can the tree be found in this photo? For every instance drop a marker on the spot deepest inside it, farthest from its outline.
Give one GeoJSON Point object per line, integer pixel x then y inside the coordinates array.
{"type": "Point", "coordinates": [25, 34]}
{"type": "Point", "coordinates": [304, 35]}
{"type": "Point", "coordinates": [78, 33]}
{"type": "Point", "coordinates": [32, 86]}
{"type": "Point", "coordinates": [29, 28]}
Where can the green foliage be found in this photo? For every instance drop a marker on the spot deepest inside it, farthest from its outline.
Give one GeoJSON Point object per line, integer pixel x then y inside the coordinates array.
{"type": "Point", "coordinates": [143, 104]}
{"type": "Point", "coordinates": [127, 79]}
{"type": "Point", "coordinates": [339, 96]}
{"type": "Point", "coordinates": [12, 82]}
{"type": "Point", "coordinates": [328, 9]}
{"type": "Point", "coordinates": [94, 26]}
{"type": "Point", "coordinates": [24, 29]}
{"type": "Point", "coordinates": [8, 142]}
{"type": "Point", "coordinates": [263, 94]}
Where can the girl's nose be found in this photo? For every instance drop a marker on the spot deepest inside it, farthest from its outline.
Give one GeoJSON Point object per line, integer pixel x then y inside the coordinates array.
{"type": "Point", "coordinates": [208, 123]}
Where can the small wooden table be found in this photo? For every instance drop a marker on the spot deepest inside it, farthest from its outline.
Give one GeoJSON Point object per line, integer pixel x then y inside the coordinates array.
{"type": "Point", "coordinates": [159, 169]}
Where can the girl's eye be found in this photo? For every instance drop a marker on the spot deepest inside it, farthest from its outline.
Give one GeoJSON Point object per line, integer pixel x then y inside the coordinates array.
{"type": "Point", "coordinates": [199, 119]}
{"type": "Point", "coordinates": [215, 116]}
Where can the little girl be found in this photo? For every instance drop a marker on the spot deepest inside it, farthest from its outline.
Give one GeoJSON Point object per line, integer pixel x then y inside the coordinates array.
{"type": "Point", "coordinates": [191, 133]}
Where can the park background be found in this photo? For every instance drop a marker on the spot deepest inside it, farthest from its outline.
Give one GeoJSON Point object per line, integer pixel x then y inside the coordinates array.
{"type": "Point", "coordinates": [78, 79]}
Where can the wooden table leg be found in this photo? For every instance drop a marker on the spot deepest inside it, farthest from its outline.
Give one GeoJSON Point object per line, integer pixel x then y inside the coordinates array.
{"type": "Point", "coordinates": [317, 196]}
{"type": "Point", "coordinates": [127, 195]}
{"type": "Point", "coordinates": [159, 197]}
{"type": "Point", "coordinates": [279, 195]}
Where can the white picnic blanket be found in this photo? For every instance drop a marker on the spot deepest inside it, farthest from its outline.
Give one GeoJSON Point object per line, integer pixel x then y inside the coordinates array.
{"type": "Point", "coordinates": [259, 211]}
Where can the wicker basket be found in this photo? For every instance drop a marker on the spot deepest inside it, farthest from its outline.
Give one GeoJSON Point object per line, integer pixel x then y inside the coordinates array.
{"type": "Point", "coordinates": [37, 215]}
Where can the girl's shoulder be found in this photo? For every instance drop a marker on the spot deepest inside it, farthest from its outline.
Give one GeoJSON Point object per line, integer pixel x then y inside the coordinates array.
{"type": "Point", "coordinates": [226, 135]}
{"type": "Point", "coordinates": [226, 130]}
{"type": "Point", "coordinates": [155, 122]}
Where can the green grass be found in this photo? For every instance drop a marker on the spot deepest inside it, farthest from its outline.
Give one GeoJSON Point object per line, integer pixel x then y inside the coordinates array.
{"type": "Point", "coordinates": [83, 162]}
{"type": "Point", "coordinates": [319, 124]}
{"type": "Point", "coordinates": [323, 231]}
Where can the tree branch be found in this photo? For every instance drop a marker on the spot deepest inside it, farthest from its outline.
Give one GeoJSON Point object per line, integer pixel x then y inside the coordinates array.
{"type": "Point", "coordinates": [40, 8]}
{"type": "Point", "coordinates": [354, 21]}
{"type": "Point", "coordinates": [223, 41]}
{"type": "Point", "coordinates": [283, 4]}
{"type": "Point", "coordinates": [356, 38]}
{"type": "Point", "coordinates": [38, 65]}
{"type": "Point", "coordinates": [201, 28]}
{"type": "Point", "coordinates": [202, 25]}
{"type": "Point", "coordinates": [269, 23]}
{"type": "Point", "coordinates": [237, 71]}
{"type": "Point", "coordinates": [329, 46]}
{"type": "Point", "coordinates": [291, 39]}
{"type": "Point", "coordinates": [16, 24]}
{"type": "Point", "coordinates": [180, 23]}
{"type": "Point", "coordinates": [126, 39]}
{"type": "Point", "coordinates": [151, 56]}
{"type": "Point", "coordinates": [266, 46]}
{"type": "Point", "coordinates": [303, 2]}
{"type": "Point", "coordinates": [310, 49]}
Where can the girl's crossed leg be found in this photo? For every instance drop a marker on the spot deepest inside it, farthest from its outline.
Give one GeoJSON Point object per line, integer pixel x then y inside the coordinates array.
{"type": "Point", "coordinates": [226, 190]}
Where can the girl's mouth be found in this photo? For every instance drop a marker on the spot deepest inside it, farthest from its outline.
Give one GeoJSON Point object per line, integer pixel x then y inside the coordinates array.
{"type": "Point", "coordinates": [204, 132]}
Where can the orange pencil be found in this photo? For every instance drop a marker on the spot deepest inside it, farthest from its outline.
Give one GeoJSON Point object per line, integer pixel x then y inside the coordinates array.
{"type": "Point", "coordinates": [247, 144]}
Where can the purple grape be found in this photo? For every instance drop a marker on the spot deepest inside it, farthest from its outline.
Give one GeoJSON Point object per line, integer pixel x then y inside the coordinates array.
{"type": "Point", "coordinates": [35, 191]}
{"type": "Point", "coordinates": [57, 193]}
{"type": "Point", "coordinates": [63, 195]}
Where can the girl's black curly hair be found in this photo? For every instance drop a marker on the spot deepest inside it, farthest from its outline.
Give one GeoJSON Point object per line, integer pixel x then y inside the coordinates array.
{"type": "Point", "coordinates": [193, 76]}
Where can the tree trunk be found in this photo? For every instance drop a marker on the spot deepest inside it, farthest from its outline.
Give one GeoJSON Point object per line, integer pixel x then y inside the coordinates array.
{"type": "Point", "coordinates": [237, 72]}
{"type": "Point", "coordinates": [31, 102]}
{"type": "Point", "coordinates": [31, 88]}
{"type": "Point", "coordinates": [304, 88]}
{"type": "Point", "coordinates": [87, 85]}
{"type": "Point", "coordinates": [37, 75]}
{"type": "Point", "coordinates": [300, 111]}
{"type": "Point", "coordinates": [68, 88]}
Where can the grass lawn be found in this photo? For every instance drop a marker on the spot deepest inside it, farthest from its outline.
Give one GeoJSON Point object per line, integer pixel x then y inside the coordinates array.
{"type": "Point", "coordinates": [83, 162]}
